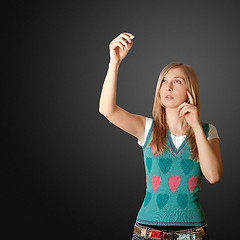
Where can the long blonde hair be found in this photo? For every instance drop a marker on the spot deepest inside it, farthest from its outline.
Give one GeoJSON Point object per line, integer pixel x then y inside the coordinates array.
{"type": "Point", "coordinates": [159, 114]}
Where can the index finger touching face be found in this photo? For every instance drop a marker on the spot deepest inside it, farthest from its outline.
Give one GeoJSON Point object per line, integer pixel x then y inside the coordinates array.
{"type": "Point", "coordinates": [190, 97]}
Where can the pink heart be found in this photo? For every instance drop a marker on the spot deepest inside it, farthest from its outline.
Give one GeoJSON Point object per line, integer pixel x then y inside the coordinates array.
{"type": "Point", "coordinates": [147, 179]}
{"type": "Point", "coordinates": [174, 182]}
{"type": "Point", "coordinates": [192, 183]}
{"type": "Point", "coordinates": [156, 180]}
{"type": "Point", "coordinates": [152, 151]}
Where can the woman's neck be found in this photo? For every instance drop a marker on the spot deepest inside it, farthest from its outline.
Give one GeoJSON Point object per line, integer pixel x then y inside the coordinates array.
{"type": "Point", "coordinates": [177, 125]}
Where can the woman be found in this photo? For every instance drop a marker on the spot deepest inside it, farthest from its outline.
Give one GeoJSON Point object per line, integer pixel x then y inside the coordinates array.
{"type": "Point", "coordinates": [178, 149]}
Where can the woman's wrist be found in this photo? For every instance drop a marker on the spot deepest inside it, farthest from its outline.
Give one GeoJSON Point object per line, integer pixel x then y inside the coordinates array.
{"type": "Point", "coordinates": [197, 128]}
{"type": "Point", "coordinates": [114, 64]}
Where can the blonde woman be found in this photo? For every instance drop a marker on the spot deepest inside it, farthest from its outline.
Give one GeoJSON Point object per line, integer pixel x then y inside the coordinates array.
{"type": "Point", "coordinates": [178, 149]}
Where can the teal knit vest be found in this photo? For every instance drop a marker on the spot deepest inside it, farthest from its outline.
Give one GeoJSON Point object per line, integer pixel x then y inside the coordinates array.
{"type": "Point", "coordinates": [173, 182]}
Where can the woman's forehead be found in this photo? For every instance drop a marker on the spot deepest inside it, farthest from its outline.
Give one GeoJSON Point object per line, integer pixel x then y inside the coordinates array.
{"type": "Point", "coordinates": [175, 73]}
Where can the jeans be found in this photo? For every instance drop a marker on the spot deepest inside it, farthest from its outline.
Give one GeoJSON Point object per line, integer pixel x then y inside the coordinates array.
{"type": "Point", "coordinates": [181, 237]}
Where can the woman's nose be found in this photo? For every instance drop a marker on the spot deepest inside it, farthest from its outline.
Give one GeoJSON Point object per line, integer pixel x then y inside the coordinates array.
{"type": "Point", "coordinates": [168, 87]}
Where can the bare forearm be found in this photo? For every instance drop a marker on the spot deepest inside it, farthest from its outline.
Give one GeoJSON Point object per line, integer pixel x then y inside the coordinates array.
{"type": "Point", "coordinates": [119, 48]}
{"type": "Point", "coordinates": [107, 101]}
{"type": "Point", "coordinates": [209, 162]}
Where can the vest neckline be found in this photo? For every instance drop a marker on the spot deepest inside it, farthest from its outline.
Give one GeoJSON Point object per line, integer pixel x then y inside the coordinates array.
{"type": "Point", "coordinates": [174, 150]}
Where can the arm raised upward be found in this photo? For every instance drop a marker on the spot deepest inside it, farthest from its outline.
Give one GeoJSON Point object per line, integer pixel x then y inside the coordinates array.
{"type": "Point", "coordinates": [132, 123]}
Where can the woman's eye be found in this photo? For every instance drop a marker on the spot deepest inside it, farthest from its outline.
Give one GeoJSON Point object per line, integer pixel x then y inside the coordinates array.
{"type": "Point", "coordinates": [175, 81]}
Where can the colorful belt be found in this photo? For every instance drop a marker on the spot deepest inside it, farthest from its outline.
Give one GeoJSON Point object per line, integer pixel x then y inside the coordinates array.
{"type": "Point", "coordinates": [192, 233]}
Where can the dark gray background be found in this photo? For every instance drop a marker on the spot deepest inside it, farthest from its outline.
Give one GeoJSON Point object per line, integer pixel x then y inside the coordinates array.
{"type": "Point", "coordinates": [66, 171]}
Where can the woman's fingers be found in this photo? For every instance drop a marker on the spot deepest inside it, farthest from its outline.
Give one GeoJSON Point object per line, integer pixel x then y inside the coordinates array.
{"type": "Point", "coordinates": [183, 111]}
{"type": "Point", "coordinates": [124, 38]}
{"type": "Point", "coordinates": [127, 37]}
{"type": "Point", "coordinates": [117, 44]}
{"type": "Point", "coordinates": [186, 109]}
{"type": "Point", "coordinates": [124, 43]}
{"type": "Point", "coordinates": [181, 106]}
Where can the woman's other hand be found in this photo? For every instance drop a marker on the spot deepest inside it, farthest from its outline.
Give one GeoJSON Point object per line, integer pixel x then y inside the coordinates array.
{"type": "Point", "coordinates": [190, 112]}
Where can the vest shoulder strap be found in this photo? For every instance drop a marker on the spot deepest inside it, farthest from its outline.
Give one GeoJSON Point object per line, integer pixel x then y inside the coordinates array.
{"type": "Point", "coordinates": [148, 135]}
{"type": "Point", "coordinates": [205, 127]}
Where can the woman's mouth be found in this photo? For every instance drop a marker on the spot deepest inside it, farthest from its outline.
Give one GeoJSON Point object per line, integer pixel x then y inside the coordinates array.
{"type": "Point", "coordinates": [169, 97]}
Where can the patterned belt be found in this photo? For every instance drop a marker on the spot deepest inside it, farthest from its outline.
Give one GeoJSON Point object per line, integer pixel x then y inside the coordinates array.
{"type": "Point", "coordinates": [193, 233]}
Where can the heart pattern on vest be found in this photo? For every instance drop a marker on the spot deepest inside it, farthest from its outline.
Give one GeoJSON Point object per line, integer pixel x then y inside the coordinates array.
{"type": "Point", "coordinates": [192, 183]}
{"type": "Point", "coordinates": [182, 200]}
{"type": "Point", "coordinates": [149, 164]}
{"type": "Point", "coordinates": [147, 199]}
{"type": "Point", "coordinates": [152, 151]}
{"type": "Point", "coordinates": [162, 200]}
{"type": "Point", "coordinates": [187, 165]}
{"type": "Point", "coordinates": [156, 180]}
{"type": "Point", "coordinates": [174, 182]}
{"type": "Point", "coordinates": [165, 164]}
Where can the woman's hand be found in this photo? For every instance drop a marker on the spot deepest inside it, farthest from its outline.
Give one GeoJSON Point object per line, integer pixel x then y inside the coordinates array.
{"type": "Point", "coordinates": [190, 112]}
{"type": "Point", "coordinates": [119, 47]}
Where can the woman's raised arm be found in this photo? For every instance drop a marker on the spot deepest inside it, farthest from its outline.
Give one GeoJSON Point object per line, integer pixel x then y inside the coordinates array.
{"type": "Point", "coordinates": [131, 123]}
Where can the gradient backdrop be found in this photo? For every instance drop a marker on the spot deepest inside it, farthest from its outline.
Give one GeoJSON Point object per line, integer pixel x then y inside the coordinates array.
{"type": "Point", "coordinates": [66, 171]}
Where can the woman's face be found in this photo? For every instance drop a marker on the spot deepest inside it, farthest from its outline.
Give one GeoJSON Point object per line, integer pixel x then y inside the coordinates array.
{"type": "Point", "coordinates": [173, 84]}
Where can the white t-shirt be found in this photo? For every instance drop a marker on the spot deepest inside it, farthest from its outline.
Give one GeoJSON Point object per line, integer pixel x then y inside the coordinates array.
{"type": "Point", "coordinates": [178, 140]}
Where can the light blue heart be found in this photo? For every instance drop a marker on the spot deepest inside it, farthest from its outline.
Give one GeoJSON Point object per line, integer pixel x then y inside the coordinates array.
{"type": "Point", "coordinates": [187, 165]}
{"type": "Point", "coordinates": [149, 164]}
{"type": "Point", "coordinates": [182, 200]}
{"type": "Point", "coordinates": [162, 200]}
{"type": "Point", "coordinates": [165, 164]}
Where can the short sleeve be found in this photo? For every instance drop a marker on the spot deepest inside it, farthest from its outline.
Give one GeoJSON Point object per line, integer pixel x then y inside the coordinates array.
{"type": "Point", "coordinates": [147, 127]}
{"type": "Point", "coordinates": [212, 132]}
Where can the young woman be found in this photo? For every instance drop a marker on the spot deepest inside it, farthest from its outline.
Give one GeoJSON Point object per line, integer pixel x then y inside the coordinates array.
{"type": "Point", "coordinates": [178, 149]}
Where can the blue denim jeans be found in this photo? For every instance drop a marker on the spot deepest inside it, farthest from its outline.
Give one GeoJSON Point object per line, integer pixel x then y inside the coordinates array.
{"type": "Point", "coordinates": [181, 237]}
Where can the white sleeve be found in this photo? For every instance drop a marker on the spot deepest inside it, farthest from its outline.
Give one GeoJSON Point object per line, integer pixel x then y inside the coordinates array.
{"type": "Point", "coordinates": [212, 132]}
{"type": "Point", "coordinates": [147, 127]}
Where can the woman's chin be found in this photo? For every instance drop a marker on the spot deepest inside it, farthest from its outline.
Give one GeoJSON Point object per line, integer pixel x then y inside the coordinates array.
{"type": "Point", "coordinates": [171, 105]}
